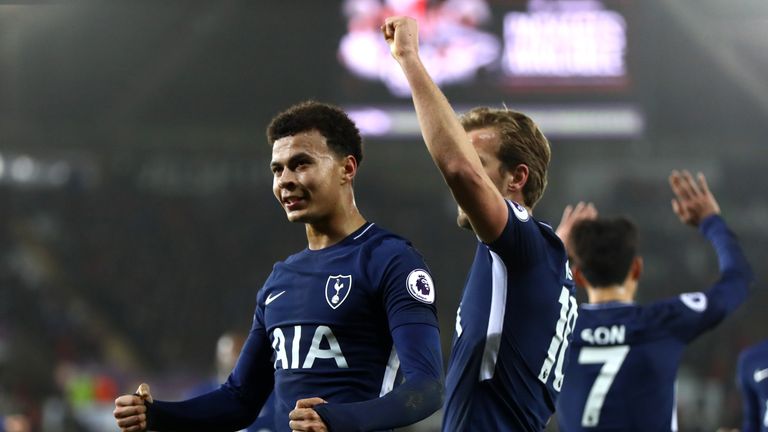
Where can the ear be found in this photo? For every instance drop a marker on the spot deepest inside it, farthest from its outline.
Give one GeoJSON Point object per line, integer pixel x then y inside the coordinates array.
{"type": "Point", "coordinates": [578, 277]}
{"type": "Point", "coordinates": [348, 169]}
{"type": "Point", "coordinates": [517, 178]}
{"type": "Point", "coordinates": [636, 268]}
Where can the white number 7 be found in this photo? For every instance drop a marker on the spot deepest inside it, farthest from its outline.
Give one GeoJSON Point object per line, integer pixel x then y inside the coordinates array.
{"type": "Point", "coordinates": [612, 358]}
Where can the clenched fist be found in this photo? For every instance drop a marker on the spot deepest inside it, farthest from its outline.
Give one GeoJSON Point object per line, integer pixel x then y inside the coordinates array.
{"type": "Point", "coordinates": [402, 35]}
{"type": "Point", "coordinates": [131, 412]}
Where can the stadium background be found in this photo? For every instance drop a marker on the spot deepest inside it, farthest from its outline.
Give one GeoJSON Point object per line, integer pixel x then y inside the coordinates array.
{"type": "Point", "coordinates": [136, 216]}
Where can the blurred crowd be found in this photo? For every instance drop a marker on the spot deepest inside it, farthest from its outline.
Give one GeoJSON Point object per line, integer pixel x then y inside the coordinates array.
{"type": "Point", "coordinates": [102, 287]}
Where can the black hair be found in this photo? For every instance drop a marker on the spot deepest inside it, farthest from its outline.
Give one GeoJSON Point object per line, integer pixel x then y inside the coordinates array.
{"type": "Point", "coordinates": [603, 249]}
{"type": "Point", "coordinates": [332, 122]}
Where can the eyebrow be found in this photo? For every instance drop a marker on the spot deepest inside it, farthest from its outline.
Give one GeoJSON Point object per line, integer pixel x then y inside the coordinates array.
{"type": "Point", "coordinates": [302, 155]}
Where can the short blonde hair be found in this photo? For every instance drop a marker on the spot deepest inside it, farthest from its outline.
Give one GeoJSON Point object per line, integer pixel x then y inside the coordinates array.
{"type": "Point", "coordinates": [521, 143]}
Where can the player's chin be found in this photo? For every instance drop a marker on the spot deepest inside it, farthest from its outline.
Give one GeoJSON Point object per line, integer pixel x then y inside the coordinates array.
{"type": "Point", "coordinates": [296, 216]}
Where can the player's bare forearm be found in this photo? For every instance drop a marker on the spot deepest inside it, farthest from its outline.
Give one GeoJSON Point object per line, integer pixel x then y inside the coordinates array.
{"type": "Point", "coordinates": [447, 142]}
{"type": "Point", "coordinates": [445, 138]}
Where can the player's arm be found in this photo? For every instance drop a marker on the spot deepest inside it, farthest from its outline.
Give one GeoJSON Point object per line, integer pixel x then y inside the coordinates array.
{"type": "Point", "coordinates": [418, 348]}
{"type": "Point", "coordinates": [416, 338]}
{"type": "Point", "coordinates": [444, 136]}
{"type": "Point", "coordinates": [695, 205]}
{"type": "Point", "coordinates": [231, 407]}
{"type": "Point", "coordinates": [750, 401]}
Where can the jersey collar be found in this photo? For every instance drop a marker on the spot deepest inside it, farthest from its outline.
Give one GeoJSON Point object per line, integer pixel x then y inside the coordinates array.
{"type": "Point", "coordinates": [606, 305]}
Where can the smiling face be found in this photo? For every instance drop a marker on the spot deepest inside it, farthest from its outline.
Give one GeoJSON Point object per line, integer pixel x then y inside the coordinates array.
{"type": "Point", "coordinates": [308, 177]}
{"type": "Point", "coordinates": [486, 141]}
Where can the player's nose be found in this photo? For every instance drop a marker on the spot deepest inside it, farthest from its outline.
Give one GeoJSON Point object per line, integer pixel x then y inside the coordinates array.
{"type": "Point", "coordinates": [287, 180]}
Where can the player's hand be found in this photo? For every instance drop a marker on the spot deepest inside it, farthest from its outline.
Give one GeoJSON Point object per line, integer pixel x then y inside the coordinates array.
{"type": "Point", "coordinates": [131, 412]}
{"type": "Point", "coordinates": [16, 423]}
{"type": "Point", "coordinates": [304, 418]}
{"type": "Point", "coordinates": [402, 35]}
{"type": "Point", "coordinates": [571, 216]}
{"type": "Point", "coordinates": [693, 201]}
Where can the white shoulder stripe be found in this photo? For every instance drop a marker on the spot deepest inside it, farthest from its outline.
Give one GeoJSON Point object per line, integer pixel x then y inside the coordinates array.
{"type": "Point", "coordinates": [496, 317]}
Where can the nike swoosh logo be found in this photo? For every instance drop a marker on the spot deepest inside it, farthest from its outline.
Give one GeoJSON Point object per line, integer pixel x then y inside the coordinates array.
{"type": "Point", "coordinates": [271, 298]}
{"type": "Point", "coordinates": [761, 375]}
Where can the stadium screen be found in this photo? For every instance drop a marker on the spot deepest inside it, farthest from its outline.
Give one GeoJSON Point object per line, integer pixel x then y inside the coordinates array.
{"type": "Point", "coordinates": [563, 60]}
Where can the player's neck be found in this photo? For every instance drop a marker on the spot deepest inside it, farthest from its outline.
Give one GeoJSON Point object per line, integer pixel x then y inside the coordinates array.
{"type": "Point", "coordinates": [336, 228]}
{"type": "Point", "coordinates": [613, 293]}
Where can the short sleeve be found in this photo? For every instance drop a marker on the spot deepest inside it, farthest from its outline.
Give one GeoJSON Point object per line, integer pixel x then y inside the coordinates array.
{"type": "Point", "coordinates": [521, 242]}
{"type": "Point", "coordinates": [408, 289]}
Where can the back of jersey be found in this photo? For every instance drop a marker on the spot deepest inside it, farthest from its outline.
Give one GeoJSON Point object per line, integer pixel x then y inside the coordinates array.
{"type": "Point", "coordinates": [624, 362]}
{"type": "Point", "coordinates": [625, 357]}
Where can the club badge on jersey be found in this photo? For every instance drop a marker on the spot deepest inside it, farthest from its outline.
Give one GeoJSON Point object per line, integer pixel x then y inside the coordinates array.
{"type": "Point", "coordinates": [337, 289]}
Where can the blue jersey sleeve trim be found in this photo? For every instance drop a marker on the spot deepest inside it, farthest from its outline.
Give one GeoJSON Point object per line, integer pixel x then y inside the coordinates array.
{"type": "Point", "coordinates": [418, 347]}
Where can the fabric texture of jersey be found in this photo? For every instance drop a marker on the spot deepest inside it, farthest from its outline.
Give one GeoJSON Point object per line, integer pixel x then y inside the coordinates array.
{"type": "Point", "coordinates": [329, 313]}
{"type": "Point", "coordinates": [513, 327]}
{"type": "Point", "coordinates": [265, 422]}
{"type": "Point", "coordinates": [625, 356]}
{"type": "Point", "coordinates": [753, 381]}
{"type": "Point", "coordinates": [324, 327]}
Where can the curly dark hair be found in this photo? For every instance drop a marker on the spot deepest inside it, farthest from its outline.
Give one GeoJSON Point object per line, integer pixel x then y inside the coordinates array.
{"type": "Point", "coordinates": [604, 249]}
{"type": "Point", "coordinates": [332, 122]}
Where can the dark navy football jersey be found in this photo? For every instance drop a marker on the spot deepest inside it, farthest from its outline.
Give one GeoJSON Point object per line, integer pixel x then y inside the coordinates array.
{"type": "Point", "coordinates": [513, 329]}
{"type": "Point", "coordinates": [328, 315]}
{"type": "Point", "coordinates": [328, 324]}
{"type": "Point", "coordinates": [625, 356]}
{"type": "Point", "coordinates": [753, 381]}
